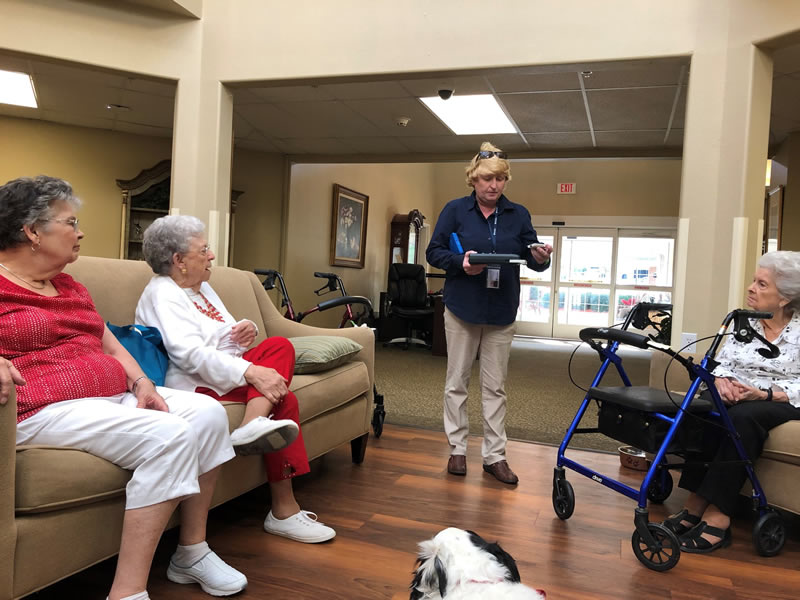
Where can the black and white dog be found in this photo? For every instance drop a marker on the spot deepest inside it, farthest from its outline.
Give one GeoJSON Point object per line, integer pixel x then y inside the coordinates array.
{"type": "Point", "coordinates": [461, 565]}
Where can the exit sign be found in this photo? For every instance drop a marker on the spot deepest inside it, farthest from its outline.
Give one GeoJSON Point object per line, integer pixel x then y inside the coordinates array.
{"type": "Point", "coordinates": [565, 188]}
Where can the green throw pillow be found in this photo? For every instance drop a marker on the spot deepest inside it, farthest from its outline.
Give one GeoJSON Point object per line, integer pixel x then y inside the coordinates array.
{"type": "Point", "coordinates": [316, 353]}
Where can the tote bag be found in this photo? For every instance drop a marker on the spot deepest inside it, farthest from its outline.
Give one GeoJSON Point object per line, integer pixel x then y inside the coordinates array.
{"type": "Point", "coordinates": [146, 346]}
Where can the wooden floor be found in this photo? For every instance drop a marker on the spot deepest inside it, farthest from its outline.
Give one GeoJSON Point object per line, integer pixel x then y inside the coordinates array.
{"type": "Point", "coordinates": [402, 494]}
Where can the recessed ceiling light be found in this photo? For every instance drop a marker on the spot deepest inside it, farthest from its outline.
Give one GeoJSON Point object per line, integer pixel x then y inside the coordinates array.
{"type": "Point", "coordinates": [17, 89]}
{"type": "Point", "coordinates": [471, 115]}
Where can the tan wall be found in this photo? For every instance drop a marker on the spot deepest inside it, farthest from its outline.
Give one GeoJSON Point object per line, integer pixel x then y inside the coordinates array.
{"type": "Point", "coordinates": [91, 160]}
{"type": "Point", "coordinates": [624, 187]}
{"type": "Point", "coordinates": [392, 189]}
{"type": "Point", "coordinates": [258, 219]}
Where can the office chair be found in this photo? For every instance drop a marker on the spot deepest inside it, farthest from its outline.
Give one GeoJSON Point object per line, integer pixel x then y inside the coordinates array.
{"type": "Point", "coordinates": [408, 300]}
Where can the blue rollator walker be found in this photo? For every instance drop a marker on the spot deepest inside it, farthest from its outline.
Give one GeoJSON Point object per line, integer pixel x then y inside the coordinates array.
{"type": "Point", "coordinates": [649, 419]}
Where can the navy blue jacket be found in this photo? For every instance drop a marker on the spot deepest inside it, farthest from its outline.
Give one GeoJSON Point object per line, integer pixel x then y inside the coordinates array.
{"type": "Point", "coordinates": [467, 296]}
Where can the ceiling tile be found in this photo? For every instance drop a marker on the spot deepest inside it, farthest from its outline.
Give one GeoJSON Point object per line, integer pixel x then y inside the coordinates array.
{"type": "Point", "coordinates": [464, 86]}
{"type": "Point", "coordinates": [675, 138]}
{"type": "Point", "coordinates": [546, 112]}
{"type": "Point", "coordinates": [786, 60]}
{"type": "Point", "coordinates": [630, 139]}
{"type": "Point", "coordinates": [315, 146]}
{"type": "Point", "coordinates": [299, 93]}
{"type": "Point", "coordinates": [324, 120]}
{"type": "Point", "coordinates": [636, 108]}
{"type": "Point", "coordinates": [143, 129]}
{"type": "Point", "coordinates": [147, 86]}
{"type": "Point", "coordinates": [785, 96]}
{"type": "Point", "coordinates": [652, 74]}
{"type": "Point", "coordinates": [365, 91]}
{"type": "Point", "coordinates": [155, 110]}
{"type": "Point", "coordinates": [384, 113]}
{"type": "Point", "coordinates": [679, 119]}
{"type": "Point", "coordinates": [267, 118]}
{"type": "Point", "coordinates": [378, 145]}
{"type": "Point", "coordinates": [80, 100]}
{"type": "Point", "coordinates": [546, 141]}
{"type": "Point", "coordinates": [526, 82]}
{"type": "Point", "coordinates": [70, 118]}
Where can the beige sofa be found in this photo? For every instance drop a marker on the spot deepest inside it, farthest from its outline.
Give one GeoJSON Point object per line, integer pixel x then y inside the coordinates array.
{"type": "Point", "coordinates": [778, 467]}
{"type": "Point", "coordinates": [61, 509]}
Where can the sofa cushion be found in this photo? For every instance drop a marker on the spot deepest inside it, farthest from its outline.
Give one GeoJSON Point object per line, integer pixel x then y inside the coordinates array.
{"type": "Point", "coordinates": [315, 353]}
{"type": "Point", "coordinates": [321, 392]}
{"type": "Point", "coordinates": [49, 479]}
{"type": "Point", "coordinates": [783, 443]}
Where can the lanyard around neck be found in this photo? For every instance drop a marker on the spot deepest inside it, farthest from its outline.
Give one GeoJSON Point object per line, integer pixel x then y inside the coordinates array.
{"type": "Point", "coordinates": [493, 231]}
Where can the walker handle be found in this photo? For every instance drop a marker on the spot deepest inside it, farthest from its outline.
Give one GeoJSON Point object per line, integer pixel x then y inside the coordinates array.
{"type": "Point", "coordinates": [345, 300]}
{"type": "Point", "coordinates": [615, 335]}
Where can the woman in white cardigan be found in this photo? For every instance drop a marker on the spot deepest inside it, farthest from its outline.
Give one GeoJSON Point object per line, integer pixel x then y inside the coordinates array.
{"type": "Point", "coordinates": [208, 351]}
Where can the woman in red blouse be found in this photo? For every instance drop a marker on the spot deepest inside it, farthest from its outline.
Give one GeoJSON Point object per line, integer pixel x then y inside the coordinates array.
{"type": "Point", "coordinates": [77, 386]}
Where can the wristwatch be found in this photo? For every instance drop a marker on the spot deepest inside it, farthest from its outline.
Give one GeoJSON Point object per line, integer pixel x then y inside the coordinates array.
{"type": "Point", "coordinates": [769, 394]}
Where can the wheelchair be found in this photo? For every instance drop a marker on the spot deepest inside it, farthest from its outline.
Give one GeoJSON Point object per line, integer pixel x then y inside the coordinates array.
{"type": "Point", "coordinates": [654, 421]}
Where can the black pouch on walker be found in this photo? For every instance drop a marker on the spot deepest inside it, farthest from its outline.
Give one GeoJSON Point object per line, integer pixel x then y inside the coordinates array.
{"type": "Point", "coordinates": [626, 415]}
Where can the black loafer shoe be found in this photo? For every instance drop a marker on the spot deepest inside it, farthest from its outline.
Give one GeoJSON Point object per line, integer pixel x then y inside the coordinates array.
{"type": "Point", "coordinates": [457, 464]}
{"type": "Point", "coordinates": [502, 472]}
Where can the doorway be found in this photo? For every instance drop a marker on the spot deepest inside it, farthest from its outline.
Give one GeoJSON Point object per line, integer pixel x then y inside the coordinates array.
{"type": "Point", "coordinates": [596, 276]}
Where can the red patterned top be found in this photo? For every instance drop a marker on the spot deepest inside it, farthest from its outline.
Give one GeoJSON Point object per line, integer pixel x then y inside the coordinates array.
{"type": "Point", "coordinates": [56, 343]}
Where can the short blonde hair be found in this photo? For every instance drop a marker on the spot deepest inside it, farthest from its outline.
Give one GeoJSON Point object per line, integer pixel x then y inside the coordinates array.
{"type": "Point", "coordinates": [485, 166]}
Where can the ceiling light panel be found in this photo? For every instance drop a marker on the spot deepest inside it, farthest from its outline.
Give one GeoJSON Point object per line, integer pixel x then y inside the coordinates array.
{"type": "Point", "coordinates": [471, 115]}
{"type": "Point", "coordinates": [17, 89]}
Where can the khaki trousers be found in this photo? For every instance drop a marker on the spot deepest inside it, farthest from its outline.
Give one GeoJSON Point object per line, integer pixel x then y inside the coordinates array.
{"type": "Point", "coordinates": [463, 341]}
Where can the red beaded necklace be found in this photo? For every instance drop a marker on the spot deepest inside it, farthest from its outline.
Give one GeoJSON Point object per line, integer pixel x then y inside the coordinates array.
{"type": "Point", "coordinates": [210, 311]}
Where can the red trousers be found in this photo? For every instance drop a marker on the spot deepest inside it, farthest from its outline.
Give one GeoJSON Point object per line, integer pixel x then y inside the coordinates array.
{"type": "Point", "coordinates": [276, 353]}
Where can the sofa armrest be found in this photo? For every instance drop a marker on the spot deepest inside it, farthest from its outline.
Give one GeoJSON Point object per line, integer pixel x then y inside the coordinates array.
{"type": "Point", "coordinates": [8, 528]}
{"type": "Point", "coordinates": [277, 324]}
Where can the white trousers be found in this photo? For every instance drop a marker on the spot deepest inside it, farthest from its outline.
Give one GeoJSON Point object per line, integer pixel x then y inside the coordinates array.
{"type": "Point", "coordinates": [463, 341]}
{"type": "Point", "coordinates": [167, 452]}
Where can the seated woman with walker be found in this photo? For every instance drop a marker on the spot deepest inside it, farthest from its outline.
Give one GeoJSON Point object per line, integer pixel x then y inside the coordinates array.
{"type": "Point", "coordinates": [760, 394]}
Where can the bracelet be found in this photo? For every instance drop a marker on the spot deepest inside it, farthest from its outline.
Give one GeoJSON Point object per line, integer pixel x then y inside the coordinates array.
{"type": "Point", "coordinates": [769, 394]}
{"type": "Point", "coordinates": [136, 382]}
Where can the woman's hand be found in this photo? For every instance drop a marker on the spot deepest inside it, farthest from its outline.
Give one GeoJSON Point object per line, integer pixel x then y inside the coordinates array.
{"type": "Point", "coordinates": [148, 397]}
{"type": "Point", "coordinates": [542, 254]}
{"type": "Point", "coordinates": [244, 333]}
{"type": "Point", "coordinates": [727, 391]}
{"type": "Point", "coordinates": [471, 269]}
{"type": "Point", "coordinates": [268, 382]}
{"type": "Point", "coordinates": [9, 375]}
{"type": "Point", "coordinates": [748, 393]}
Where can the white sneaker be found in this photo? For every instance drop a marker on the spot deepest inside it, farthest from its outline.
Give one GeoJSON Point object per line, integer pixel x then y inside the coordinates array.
{"type": "Point", "coordinates": [262, 435]}
{"type": "Point", "coordinates": [212, 573]}
{"type": "Point", "coordinates": [300, 527]}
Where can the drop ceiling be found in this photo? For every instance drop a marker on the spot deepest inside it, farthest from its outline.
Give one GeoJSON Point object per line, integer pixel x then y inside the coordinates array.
{"type": "Point", "coordinates": [622, 107]}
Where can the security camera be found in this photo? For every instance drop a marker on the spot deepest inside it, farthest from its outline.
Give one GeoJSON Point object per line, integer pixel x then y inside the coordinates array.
{"type": "Point", "coordinates": [445, 94]}
{"type": "Point", "coordinates": [402, 121]}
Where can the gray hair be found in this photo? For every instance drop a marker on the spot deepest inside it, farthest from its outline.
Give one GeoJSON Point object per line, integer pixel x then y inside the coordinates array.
{"type": "Point", "coordinates": [785, 266]}
{"type": "Point", "coordinates": [166, 236]}
{"type": "Point", "coordinates": [27, 201]}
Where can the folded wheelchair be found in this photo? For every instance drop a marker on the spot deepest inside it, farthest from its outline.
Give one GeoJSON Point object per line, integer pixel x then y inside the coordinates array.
{"type": "Point", "coordinates": [661, 423]}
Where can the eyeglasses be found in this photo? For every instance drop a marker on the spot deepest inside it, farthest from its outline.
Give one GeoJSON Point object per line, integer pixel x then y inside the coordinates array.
{"type": "Point", "coordinates": [71, 221]}
{"type": "Point", "coordinates": [490, 153]}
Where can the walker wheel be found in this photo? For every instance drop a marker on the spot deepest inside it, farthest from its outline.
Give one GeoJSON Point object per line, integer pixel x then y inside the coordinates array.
{"type": "Point", "coordinates": [666, 552]}
{"type": "Point", "coordinates": [378, 416]}
{"type": "Point", "coordinates": [563, 499]}
{"type": "Point", "coordinates": [769, 533]}
{"type": "Point", "coordinates": [660, 487]}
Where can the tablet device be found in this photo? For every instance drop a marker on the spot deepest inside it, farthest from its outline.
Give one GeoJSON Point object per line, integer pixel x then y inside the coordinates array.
{"type": "Point", "coordinates": [495, 259]}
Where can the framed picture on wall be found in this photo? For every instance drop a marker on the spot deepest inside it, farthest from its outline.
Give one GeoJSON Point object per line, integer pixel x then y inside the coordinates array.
{"type": "Point", "coordinates": [348, 227]}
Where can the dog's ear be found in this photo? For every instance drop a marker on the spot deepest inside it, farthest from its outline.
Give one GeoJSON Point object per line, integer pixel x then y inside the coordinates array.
{"type": "Point", "coordinates": [505, 559]}
{"type": "Point", "coordinates": [430, 573]}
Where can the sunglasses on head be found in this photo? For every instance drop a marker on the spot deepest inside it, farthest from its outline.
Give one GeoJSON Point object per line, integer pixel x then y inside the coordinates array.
{"type": "Point", "coordinates": [490, 153]}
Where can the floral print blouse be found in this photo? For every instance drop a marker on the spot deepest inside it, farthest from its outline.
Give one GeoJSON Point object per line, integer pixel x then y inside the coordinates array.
{"type": "Point", "coordinates": [742, 361]}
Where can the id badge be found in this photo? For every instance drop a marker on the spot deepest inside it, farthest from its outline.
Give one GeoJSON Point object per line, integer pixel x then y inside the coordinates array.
{"type": "Point", "coordinates": [493, 278]}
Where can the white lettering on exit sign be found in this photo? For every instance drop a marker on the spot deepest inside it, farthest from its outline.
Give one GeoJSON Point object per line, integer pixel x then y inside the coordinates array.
{"type": "Point", "coordinates": [565, 188]}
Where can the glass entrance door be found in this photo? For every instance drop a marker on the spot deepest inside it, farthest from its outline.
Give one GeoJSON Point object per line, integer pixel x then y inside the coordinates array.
{"type": "Point", "coordinates": [595, 278]}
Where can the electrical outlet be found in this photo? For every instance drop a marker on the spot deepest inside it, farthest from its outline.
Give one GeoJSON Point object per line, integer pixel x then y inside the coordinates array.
{"type": "Point", "coordinates": [689, 338]}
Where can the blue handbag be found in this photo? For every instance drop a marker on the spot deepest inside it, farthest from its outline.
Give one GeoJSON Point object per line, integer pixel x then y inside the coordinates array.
{"type": "Point", "coordinates": [146, 346]}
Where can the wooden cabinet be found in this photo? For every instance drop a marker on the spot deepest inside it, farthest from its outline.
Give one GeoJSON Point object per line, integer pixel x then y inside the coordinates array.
{"type": "Point", "coordinates": [144, 199]}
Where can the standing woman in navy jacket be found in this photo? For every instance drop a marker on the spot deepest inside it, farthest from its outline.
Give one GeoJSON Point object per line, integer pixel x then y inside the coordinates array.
{"type": "Point", "coordinates": [481, 302]}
